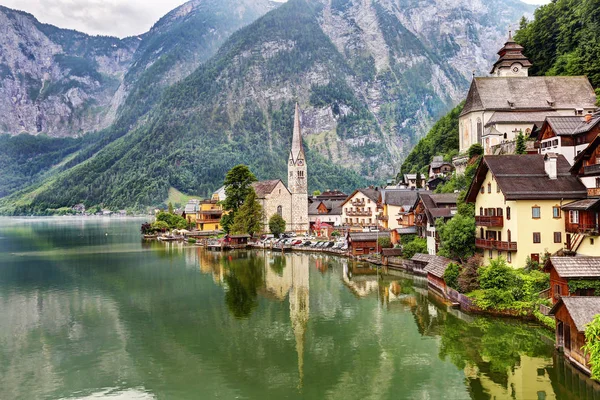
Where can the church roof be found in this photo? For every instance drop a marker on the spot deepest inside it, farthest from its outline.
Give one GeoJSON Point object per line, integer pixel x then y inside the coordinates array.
{"type": "Point", "coordinates": [523, 117]}
{"type": "Point", "coordinates": [264, 188]}
{"type": "Point", "coordinates": [297, 148]}
{"type": "Point", "coordinates": [531, 93]}
{"type": "Point", "coordinates": [511, 53]}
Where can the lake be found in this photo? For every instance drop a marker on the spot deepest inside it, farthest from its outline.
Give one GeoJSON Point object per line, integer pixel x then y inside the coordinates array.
{"type": "Point", "coordinates": [88, 310]}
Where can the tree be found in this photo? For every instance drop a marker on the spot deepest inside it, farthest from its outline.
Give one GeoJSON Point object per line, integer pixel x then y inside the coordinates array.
{"type": "Point", "coordinates": [521, 145]}
{"type": "Point", "coordinates": [457, 237]}
{"type": "Point", "coordinates": [475, 150]}
{"type": "Point", "coordinates": [249, 216]}
{"type": "Point", "coordinates": [592, 346]}
{"type": "Point", "coordinates": [276, 225]}
{"type": "Point", "coordinates": [335, 234]}
{"type": "Point", "coordinates": [451, 275]}
{"type": "Point", "coordinates": [417, 245]}
{"type": "Point", "coordinates": [317, 193]}
{"type": "Point", "coordinates": [171, 208]}
{"type": "Point", "coordinates": [384, 242]}
{"type": "Point", "coordinates": [468, 279]}
{"type": "Point", "coordinates": [419, 186]}
{"type": "Point", "coordinates": [238, 183]}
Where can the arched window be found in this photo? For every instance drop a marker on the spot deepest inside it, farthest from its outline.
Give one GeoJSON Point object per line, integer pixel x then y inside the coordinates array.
{"type": "Point", "coordinates": [479, 130]}
{"type": "Point", "coordinates": [481, 232]}
{"type": "Point", "coordinates": [280, 210]}
{"type": "Point", "coordinates": [505, 136]}
{"type": "Point", "coordinates": [507, 212]}
{"type": "Point", "coordinates": [480, 210]}
{"type": "Point", "coordinates": [508, 234]}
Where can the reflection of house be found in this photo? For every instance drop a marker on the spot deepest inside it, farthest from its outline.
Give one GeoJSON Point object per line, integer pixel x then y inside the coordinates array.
{"type": "Point", "coordinates": [518, 202]}
{"type": "Point", "coordinates": [362, 243]}
{"type": "Point", "coordinates": [568, 135]}
{"type": "Point", "coordinates": [360, 209]}
{"type": "Point", "coordinates": [497, 108]}
{"type": "Point", "coordinates": [572, 314]}
{"type": "Point", "coordinates": [568, 269]}
{"type": "Point", "coordinates": [431, 207]}
{"type": "Point", "coordinates": [208, 217]}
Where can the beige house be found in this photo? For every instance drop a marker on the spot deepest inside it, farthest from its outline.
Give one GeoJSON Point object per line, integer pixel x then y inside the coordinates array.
{"type": "Point", "coordinates": [497, 108]}
{"type": "Point", "coordinates": [518, 200]}
{"type": "Point", "coordinates": [361, 208]}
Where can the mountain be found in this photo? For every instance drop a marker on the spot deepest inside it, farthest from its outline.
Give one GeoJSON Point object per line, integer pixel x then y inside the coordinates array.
{"type": "Point", "coordinates": [371, 77]}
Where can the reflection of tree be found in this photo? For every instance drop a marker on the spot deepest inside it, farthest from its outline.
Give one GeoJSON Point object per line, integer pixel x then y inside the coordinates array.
{"type": "Point", "coordinates": [243, 279]}
{"type": "Point", "coordinates": [278, 265]}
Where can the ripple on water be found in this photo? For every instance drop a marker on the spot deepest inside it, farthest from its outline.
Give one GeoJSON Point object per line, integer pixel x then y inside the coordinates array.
{"type": "Point", "coordinates": [116, 394]}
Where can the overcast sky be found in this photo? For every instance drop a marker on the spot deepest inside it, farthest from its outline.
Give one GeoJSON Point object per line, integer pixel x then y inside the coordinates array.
{"type": "Point", "coordinates": [107, 17]}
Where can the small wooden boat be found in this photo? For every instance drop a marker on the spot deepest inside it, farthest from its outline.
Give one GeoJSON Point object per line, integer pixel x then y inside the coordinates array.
{"type": "Point", "coordinates": [150, 236]}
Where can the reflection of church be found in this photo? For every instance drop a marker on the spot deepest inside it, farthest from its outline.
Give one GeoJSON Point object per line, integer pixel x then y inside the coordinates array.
{"type": "Point", "coordinates": [294, 281]}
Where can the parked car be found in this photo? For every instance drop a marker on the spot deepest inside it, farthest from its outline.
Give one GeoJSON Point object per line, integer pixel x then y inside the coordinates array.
{"type": "Point", "coordinates": [330, 244]}
{"type": "Point", "coordinates": [307, 243]}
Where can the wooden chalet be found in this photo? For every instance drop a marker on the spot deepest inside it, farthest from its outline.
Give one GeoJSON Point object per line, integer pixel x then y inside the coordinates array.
{"type": "Point", "coordinates": [362, 243]}
{"type": "Point", "coordinates": [565, 269]}
{"type": "Point", "coordinates": [435, 273]}
{"type": "Point", "coordinates": [237, 241]}
{"type": "Point", "coordinates": [567, 134]}
{"type": "Point", "coordinates": [572, 314]}
{"type": "Point", "coordinates": [431, 207]}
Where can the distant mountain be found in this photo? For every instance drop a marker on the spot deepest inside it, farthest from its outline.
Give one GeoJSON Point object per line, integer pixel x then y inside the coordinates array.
{"type": "Point", "coordinates": [371, 77]}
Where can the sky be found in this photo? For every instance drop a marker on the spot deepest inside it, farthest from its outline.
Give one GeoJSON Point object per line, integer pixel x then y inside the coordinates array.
{"type": "Point", "coordinates": [107, 17]}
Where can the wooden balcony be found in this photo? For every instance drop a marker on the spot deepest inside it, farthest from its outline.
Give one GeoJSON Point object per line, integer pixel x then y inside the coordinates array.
{"type": "Point", "coordinates": [382, 217]}
{"type": "Point", "coordinates": [593, 169]}
{"type": "Point", "coordinates": [208, 221]}
{"type": "Point", "coordinates": [491, 222]}
{"type": "Point", "coordinates": [495, 245]}
{"type": "Point", "coordinates": [593, 192]}
{"type": "Point", "coordinates": [586, 229]}
{"type": "Point", "coordinates": [358, 203]}
{"type": "Point", "coordinates": [359, 213]}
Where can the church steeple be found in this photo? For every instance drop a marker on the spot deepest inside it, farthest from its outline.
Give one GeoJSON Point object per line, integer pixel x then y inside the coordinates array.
{"type": "Point", "coordinates": [297, 148]}
{"type": "Point", "coordinates": [511, 62]}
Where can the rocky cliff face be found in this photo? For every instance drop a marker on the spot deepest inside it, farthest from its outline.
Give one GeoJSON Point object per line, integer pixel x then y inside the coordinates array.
{"type": "Point", "coordinates": [65, 83]}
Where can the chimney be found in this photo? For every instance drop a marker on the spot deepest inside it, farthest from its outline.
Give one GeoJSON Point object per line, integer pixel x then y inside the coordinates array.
{"type": "Point", "coordinates": [550, 161]}
{"type": "Point", "coordinates": [588, 118]}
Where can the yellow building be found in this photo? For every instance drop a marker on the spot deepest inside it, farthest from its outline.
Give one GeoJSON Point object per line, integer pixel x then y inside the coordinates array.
{"type": "Point", "coordinates": [518, 200]}
{"type": "Point", "coordinates": [361, 209]}
{"type": "Point", "coordinates": [209, 216]}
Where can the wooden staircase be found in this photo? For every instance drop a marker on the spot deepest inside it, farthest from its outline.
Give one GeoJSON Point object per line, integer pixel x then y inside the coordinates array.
{"type": "Point", "coordinates": [576, 241]}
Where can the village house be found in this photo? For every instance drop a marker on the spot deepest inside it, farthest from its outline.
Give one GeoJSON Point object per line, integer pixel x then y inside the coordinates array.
{"type": "Point", "coordinates": [360, 209]}
{"type": "Point", "coordinates": [208, 216]}
{"type": "Point", "coordinates": [397, 215]}
{"type": "Point", "coordinates": [434, 267]}
{"type": "Point", "coordinates": [429, 208]}
{"type": "Point", "coordinates": [363, 243]}
{"type": "Point", "coordinates": [414, 181]}
{"type": "Point", "coordinates": [572, 314]}
{"type": "Point", "coordinates": [578, 270]}
{"type": "Point", "coordinates": [568, 135]}
{"type": "Point", "coordinates": [190, 210]}
{"type": "Point", "coordinates": [497, 108]}
{"type": "Point", "coordinates": [440, 168]}
{"type": "Point", "coordinates": [325, 211]}
{"type": "Point", "coordinates": [518, 205]}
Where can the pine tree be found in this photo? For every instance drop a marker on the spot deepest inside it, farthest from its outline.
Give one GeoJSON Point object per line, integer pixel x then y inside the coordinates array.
{"type": "Point", "coordinates": [521, 145]}
{"type": "Point", "coordinates": [238, 184]}
{"type": "Point", "coordinates": [277, 225]}
{"type": "Point", "coordinates": [248, 218]}
{"type": "Point", "coordinates": [171, 208]}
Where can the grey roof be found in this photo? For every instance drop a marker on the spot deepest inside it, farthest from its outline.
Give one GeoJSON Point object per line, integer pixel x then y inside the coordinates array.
{"type": "Point", "coordinates": [367, 236]}
{"type": "Point", "coordinates": [420, 257]}
{"type": "Point", "coordinates": [400, 197]}
{"type": "Point", "coordinates": [438, 161]}
{"type": "Point", "coordinates": [391, 252]}
{"type": "Point", "coordinates": [334, 207]}
{"type": "Point", "coordinates": [583, 205]}
{"type": "Point", "coordinates": [575, 267]}
{"type": "Point", "coordinates": [520, 117]}
{"type": "Point", "coordinates": [407, 231]}
{"type": "Point", "coordinates": [436, 205]}
{"type": "Point", "coordinates": [437, 266]}
{"type": "Point", "coordinates": [564, 125]}
{"type": "Point", "coordinates": [264, 188]}
{"type": "Point", "coordinates": [582, 309]}
{"type": "Point", "coordinates": [587, 126]}
{"type": "Point", "coordinates": [532, 93]}
{"type": "Point", "coordinates": [523, 177]}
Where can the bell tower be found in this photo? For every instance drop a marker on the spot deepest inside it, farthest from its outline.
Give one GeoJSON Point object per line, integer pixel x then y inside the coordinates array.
{"type": "Point", "coordinates": [297, 179]}
{"type": "Point", "coordinates": [511, 62]}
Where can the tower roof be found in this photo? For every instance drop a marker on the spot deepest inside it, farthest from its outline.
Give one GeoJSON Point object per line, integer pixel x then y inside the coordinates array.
{"type": "Point", "coordinates": [297, 148]}
{"type": "Point", "coordinates": [511, 53]}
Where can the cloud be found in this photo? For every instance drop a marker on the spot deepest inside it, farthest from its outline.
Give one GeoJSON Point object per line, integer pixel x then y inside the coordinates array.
{"type": "Point", "coordinates": [98, 17]}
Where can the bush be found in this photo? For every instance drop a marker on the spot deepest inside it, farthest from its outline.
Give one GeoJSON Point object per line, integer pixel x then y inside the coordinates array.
{"type": "Point", "coordinates": [385, 242]}
{"type": "Point", "coordinates": [276, 225]}
{"type": "Point", "coordinates": [418, 245]}
{"type": "Point", "coordinates": [451, 275]}
{"type": "Point", "coordinates": [475, 150]}
{"type": "Point", "coordinates": [468, 279]}
{"type": "Point", "coordinates": [160, 226]}
{"type": "Point", "coordinates": [191, 240]}
{"type": "Point", "coordinates": [335, 234]}
{"type": "Point", "coordinates": [497, 275]}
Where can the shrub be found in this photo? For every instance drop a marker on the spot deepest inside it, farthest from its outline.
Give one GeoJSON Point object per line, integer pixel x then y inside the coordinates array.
{"type": "Point", "coordinates": [418, 245]}
{"type": "Point", "coordinates": [191, 240]}
{"type": "Point", "coordinates": [475, 150]}
{"type": "Point", "coordinates": [497, 275]}
{"type": "Point", "coordinates": [451, 275]}
{"type": "Point", "coordinates": [468, 279]}
{"type": "Point", "coordinates": [385, 242]}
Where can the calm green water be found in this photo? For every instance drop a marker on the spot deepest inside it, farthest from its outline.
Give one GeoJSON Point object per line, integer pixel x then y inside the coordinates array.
{"type": "Point", "coordinates": [87, 311]}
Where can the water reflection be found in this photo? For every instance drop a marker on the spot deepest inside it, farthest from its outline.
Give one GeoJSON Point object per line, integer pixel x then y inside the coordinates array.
{"type": "Point", "coordinates": [167, 320]}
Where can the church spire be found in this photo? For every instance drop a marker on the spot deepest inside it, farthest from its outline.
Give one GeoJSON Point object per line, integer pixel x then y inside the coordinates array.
{"type": "Point", "coordinates": [511, 62]}
{"type": "Point", "coordinates": [297, 148]}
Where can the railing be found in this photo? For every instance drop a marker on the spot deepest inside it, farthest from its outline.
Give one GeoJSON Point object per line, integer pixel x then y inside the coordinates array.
{"type": "Point", "coordinates": [593, 192]}
{"type": "Point", "coordinates": [496, 221]}
{"type": "Point", "coordinates": [359, 213]}
{"type": "Point", "coordinates": [545, 310]}
{"type": "Point", "coordinates": [544, 294]}
{"type": "Point", "coordinates": [382, 217]}
{"type": "Point", "coordinates": [358, 203]}
{"type": "Point", "coordinates": [592, 229]}
{"type": "Point", "coordinates": [208, 221]}
{"type": "Point", "coordinates": [495, 245]}
{"type": "Point", "coordinates": [591, 169]}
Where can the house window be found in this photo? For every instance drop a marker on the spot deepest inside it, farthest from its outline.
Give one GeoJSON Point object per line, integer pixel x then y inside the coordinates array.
{"type": "Point", "coordinates": [497, 188]}
{"type": "Point", "coordinates": [557, 237]}
{"type": "Point", "coordinates": [300, 174]}
{"type": "Point", "coordinates": [481, 233]}
{"type": "Point", "coordinates": [508, 234]}
{"type": "Point", "coordinates": [482, 190]}
{"type": "Point", "coordinates": [509, 257]}
{"type": "Point", "coordinates": [598, 182]}
{"type": "Point", "coordinates": [537, 237]}
{"type": "Point", "coordinates": [489, 188]}
{"type": "Point", "coordinates": [556, 212]}
{"type": "Point", "coordinates": [592, 241]}
{"type": "Point", "coordinates": [479, 130]}
{"type": "Point", "coordinates": [490, 253]}
{"type": "Point", "coordinates": [499, 254]}
{"type": "Point", "coordinates": [499, 212]}
{"type": "Point", "coordinates": [574, 216]}
{"type": "Point", "coordinates": [535, 212]}
{"type": "Point", "coordinates": [480, 210]}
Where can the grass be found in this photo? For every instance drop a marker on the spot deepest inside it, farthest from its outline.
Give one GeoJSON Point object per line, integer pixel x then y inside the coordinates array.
{"type": "Point", "coordinates": [177, 197]}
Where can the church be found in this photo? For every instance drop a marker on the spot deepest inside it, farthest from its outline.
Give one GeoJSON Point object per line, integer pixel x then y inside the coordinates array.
{"type": "Point", "coordinates": [291, 201]}
{"type": "Point", "coordinates": [509, 101]}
